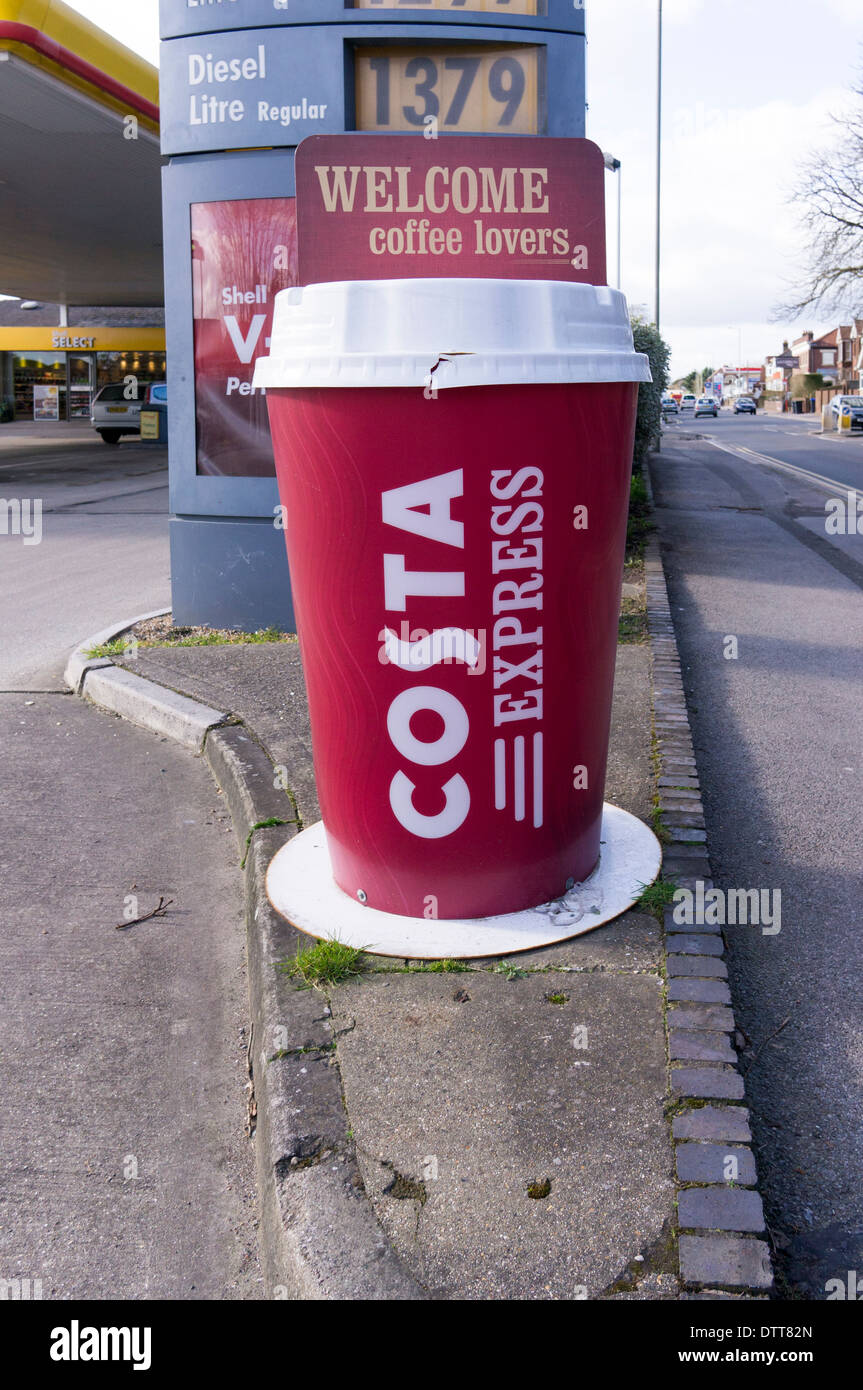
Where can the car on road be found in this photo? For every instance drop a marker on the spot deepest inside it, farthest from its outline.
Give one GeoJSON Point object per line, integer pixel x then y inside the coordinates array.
{"type": "Point", "coordinates": [706, 406]}
{"type": "Point", "coordinates": [745, 405]}
{"type": "Point", "coordinates": [112, 414]}
{"type": "Point", "coordinates": [670, 406]}
{"type": "Point", "coordinates": [848, 406]}
{"type": "Point", "coordinates": [687, 402]}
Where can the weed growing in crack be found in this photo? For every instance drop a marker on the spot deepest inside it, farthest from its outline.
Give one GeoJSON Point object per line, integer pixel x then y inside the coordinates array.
{"type": "Point", "coordinates": [656, 896]}
{"type": "Point", "coordinates": [539, 1188]}
{"type": "Point", "coordinates": [326, 963]}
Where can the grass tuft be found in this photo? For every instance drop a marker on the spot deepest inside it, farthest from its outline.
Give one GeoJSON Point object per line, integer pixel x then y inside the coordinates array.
{"type": "Point", "coordinates": [188, 637]}
{"type": "Point", "coordinates": [118, 647]}
{"type": "Point", "coordinates": [509, 969]}
{"type": "Point", "coordinates": [218, 639]}
{"type": "Point", "coordinates": [656, 896]}
{"type": "Point", "coordinates": [632, 623]}
{"type": "Point", "coordinates": [660, 829]}
{"type": "Point", "coordinates": [326, 963]}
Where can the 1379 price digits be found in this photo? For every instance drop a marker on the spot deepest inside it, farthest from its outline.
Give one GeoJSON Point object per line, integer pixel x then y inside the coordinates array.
{"type": "Point", "coordinates": [482, 90]}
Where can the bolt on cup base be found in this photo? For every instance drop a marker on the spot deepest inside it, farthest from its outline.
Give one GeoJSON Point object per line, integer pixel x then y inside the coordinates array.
{"type": "Point", "coordinates": [301, 888]}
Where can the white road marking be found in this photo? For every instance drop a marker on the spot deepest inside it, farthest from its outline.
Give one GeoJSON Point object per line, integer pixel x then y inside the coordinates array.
{"type": "Point", "coordinates": [828, 485]}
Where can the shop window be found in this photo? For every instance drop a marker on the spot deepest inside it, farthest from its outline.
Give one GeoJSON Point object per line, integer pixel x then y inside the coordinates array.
{"type": "Point", "coordinates": [37, 371]}
{"type": "Point", "coordinates": [117, 367]}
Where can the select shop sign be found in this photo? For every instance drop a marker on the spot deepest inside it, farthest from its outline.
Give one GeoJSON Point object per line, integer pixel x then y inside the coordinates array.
{"type": "Point", "coordinates": [93, 338]}
{"type": "Point", "coordinates": [380, 207]}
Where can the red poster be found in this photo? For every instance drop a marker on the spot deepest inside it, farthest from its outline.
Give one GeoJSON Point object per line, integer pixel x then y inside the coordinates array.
{"type": "Point", "coordinates": [243, 253]}
{"type": "Point", "coordinates": [384, 207]}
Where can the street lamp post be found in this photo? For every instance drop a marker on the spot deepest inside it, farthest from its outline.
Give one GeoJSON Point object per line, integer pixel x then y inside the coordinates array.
{"type": "Point", "coordinates": [658, 162]}
{"type": "Point", "coordinates": [613, 165]}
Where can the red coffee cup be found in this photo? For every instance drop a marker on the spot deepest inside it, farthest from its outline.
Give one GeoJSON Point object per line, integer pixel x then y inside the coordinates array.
{"type": "Point", "coordinates": [454, 459]}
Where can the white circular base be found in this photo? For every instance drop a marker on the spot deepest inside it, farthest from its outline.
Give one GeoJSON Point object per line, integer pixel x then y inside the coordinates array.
{"type": "Point", "coordinates": [300, 886]}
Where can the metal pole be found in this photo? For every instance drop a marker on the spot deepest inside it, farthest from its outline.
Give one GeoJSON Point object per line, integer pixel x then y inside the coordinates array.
{"type": "Point", "coordinates": [619, 200]}
{"type": "Point", "coordinates": [64, 323]}
{"type": "Point", "coordinates": [614, 167]}
{"type": "Point", "coordinates": [658, 163]}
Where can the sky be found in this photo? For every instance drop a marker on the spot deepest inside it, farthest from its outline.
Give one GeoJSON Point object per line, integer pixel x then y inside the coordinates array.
{"type": "Point", "coordinates": [749, 87]}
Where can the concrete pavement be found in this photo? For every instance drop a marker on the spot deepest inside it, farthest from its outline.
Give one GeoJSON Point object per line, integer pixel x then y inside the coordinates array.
{"type": "Point", "coordinates": [778, 735]}
{"type": "Point", "coordinates": [126, 1172]}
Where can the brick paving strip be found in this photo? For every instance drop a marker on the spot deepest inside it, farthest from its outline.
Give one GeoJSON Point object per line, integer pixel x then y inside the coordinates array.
{"type": "Point", "coordinates": [721, 1224]}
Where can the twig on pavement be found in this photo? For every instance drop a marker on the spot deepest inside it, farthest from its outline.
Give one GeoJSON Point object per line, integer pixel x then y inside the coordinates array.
{"type": "Point", "coordinates": [160, 910]}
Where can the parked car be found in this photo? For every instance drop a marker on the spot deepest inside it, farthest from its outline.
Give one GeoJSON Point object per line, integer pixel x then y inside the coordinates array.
{"type": "Point", "coordinates": [687, 402]}
{"type": "Point", "coordinates": [706, 406]}
{"type": "Point", "coordinates": [670, 406]}
{"type": "Point", "coordinates": [156, 393]}
{"type": "Point", "coordinates": [848, 405]}
{"type": "Point", "coordinates": [112, 414]}
{"type": "Point", "coordinates": [745, 405]}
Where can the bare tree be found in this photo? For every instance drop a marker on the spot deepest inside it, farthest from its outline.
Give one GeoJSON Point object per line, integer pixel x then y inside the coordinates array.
{"type": "Point", "coordinates": [830, 190]}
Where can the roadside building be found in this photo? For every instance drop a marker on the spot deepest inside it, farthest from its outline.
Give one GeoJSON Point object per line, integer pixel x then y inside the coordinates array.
{"type": "Point", "coordinates": [53, 361]}
{"type": "Point", "coordinates": [836, 356]}
{"type": "Point", "coordinates": [778, 371]}
{"type": "Point", "coordinates": [845, 356]}
{"type": "Point", "coordinates": [818, 356]}
{"type": "Point", "coordinates": [728, 383]}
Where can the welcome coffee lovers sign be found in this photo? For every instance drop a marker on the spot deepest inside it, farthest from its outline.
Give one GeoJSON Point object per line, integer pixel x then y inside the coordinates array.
{"type": "Point", "coordinates": [383, 207]}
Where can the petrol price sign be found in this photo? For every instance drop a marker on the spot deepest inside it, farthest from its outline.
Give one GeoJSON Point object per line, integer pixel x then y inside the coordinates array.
{"type": "Point", "coordinates": [501, 7]}
{"type": "Point", "coordinates": [243, 84]}
{"type": "Point", "coordinates": [459, 87]}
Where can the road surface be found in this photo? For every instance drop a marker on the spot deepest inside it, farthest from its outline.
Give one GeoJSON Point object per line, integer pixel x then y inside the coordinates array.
{"type": "Point", "coordinates": [103, 553]}
{"type": "Point", "coordinates": [779, 743]}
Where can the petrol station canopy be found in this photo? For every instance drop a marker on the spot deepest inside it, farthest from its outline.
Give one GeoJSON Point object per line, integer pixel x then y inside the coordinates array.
{"type": "Point", "coordinates": [80, 199]}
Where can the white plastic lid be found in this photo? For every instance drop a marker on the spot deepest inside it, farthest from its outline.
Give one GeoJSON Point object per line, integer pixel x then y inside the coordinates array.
{"type": "Point", "coordinates": [453, 332]}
